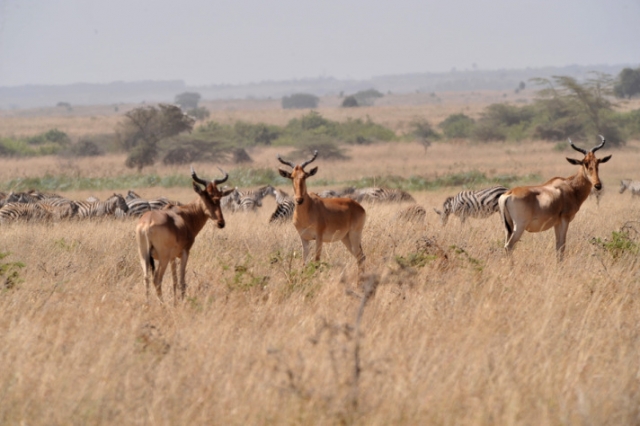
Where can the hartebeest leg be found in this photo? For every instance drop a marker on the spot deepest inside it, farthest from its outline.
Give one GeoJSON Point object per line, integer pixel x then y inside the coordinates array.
{"type": "Point", "coordinates": [157, 279]}
{"type": "Point", "coordinates": [513, 237]}
{"type": "Point", "coordinates": [174, 277]}
{"type": "Point", "coordinates": [305, 250]}
{"type": "Point", "coordinates": [318, 248]}
{"type": "Point", "coordinates": [352, 242]}
{"type": "Point", "coordinates": [183, 269]}
{"type": "Point", "coordinates": [561, 237]}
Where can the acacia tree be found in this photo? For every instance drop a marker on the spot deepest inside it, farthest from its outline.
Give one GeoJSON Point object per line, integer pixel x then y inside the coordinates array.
{"type": "Point", "coordinates": [145, 127]}
{"type": "Point", "coordinates": [579, 109]}
{"type": "Point", "coordinates": [628, 83]}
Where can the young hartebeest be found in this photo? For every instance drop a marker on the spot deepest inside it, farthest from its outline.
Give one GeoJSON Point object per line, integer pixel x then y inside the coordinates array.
{"type": "Point", "coordinates": [324, 219]}
{"type": "Point", "coordinates": [554, 203]}
{"type": "Point", "coordinates": [168, 234]}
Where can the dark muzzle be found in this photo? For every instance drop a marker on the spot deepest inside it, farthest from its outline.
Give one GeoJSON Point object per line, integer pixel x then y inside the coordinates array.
{"type": "Point", "coordinates": [299, 201]}
{"type": "Point", "coordinates": [598, 186]}
{"type": "Point", "coordinates": [221, 224]}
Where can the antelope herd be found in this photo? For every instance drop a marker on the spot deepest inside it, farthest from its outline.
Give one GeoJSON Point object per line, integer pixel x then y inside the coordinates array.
{"type": "Point", "coordinates": [166, 230]}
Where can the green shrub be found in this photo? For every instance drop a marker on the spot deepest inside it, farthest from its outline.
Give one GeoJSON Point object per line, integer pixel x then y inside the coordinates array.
{"type": "Point", "coordinates": [457, 126]}
{"type": "Point", "coordinates": [300, 101]}
{"type": "Point", "coordinates": [422, 129]}
{"type": "Point", "coordinates": [350, 102]}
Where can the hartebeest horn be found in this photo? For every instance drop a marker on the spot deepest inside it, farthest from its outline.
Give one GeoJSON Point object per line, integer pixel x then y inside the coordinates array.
{"type": "Point", "coordinates": [599, 146]}
{"type": "Point", "coordinates": [195, 177]}
{"type": "Point", "coordinates": [315, 154]}
{"type": "Point", "coordinates": [583, 151]}
{"type": "Point", "coordinates": [223, 180]}
{"type": "Point", "coordinates": [286, 163]}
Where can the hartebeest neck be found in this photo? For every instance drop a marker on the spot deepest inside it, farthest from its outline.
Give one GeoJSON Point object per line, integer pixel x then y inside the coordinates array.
{"type": "Point", "coordinates": [581, 185]}
{"type": "Point", "coordinates": [194, 215]}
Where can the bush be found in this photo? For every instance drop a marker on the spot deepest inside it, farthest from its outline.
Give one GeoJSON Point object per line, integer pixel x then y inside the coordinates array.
{"type": "Point", "coordinates": [326, 151]}
{"type": "Point", "coordinates": [188, 100]}
{"type": "Point", "coordinates": [457, 126]}
{"type": "Point", "coordinates": [188, 151]}
{"type": "Point", "coordinates": [84, 148]}
{"type": "Point", "coordinates": [199, 113]}
{"type": "Point", "coordinates": [300, 101]}
{"type": "Point", "coordinates": [422, 129]}
{"type": "Point", "coordinates": [350, 102]}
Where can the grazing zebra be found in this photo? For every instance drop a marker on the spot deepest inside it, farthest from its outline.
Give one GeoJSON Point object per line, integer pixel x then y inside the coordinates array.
{"type": "Point", "coordinates": [631, 185]}
{"type": "Point", "coordinates": [479, 204]}
{"type": "Point", "coordinates": [138, 206]}
{"type": "Point", "coordinates": [87, 209]}
{"type": "Point", "coordinates": [382, 195]}
{"type": "Point", "coordinates": [64, 207]}
{"type": "Point", "coordinates": [12, 212]}
{"type": "Point", "coordinates": [414, 213]}
{"type": "Point", "coordinates": [285, 208]}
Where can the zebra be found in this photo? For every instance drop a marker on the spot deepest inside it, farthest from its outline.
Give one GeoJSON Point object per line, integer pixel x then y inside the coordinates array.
{"type": "Point", "coordinates": [414, 213]}
{"type": "Point", "coordinates": [377, 194]}
{"type": "Point", "coordinates": [138, 206]}
{"type": "Point", "coordinates": [87, 209]}
{"type": "Point", "coordinates": [64, 207]}
{"type": "Point", "coordinates": [479, 204]}
{"type": "Point", "coordinates": [248, 200]}
{"type": "Point", "coordinates": [285, 208]}
{"type": "Point", "coordinates": [631, 185]}
{"type": "Point", "coordinates": [12, 212]}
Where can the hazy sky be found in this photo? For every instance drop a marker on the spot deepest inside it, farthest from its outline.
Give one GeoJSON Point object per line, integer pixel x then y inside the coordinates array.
{"type": "Point", "coordinates": [244, 41]}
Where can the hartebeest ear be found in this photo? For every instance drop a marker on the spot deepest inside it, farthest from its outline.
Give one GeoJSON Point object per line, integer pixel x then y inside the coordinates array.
{"type": "Point", "coordinates": [313, 171]}
{"type": "Point", "coordinates": [605, 159]}
{"type": "Point", "coordinates": [284, 173]}
{"type": "Point", "coordinates": [197, 188]}
{"type": "Point", "coordinates": [227, 192]}
{"type": "Point", "coordinates": [574, 161]}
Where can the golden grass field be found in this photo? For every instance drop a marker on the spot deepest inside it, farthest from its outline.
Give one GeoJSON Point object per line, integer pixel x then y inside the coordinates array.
{"type": "Point", "coordinates": [470, 337]}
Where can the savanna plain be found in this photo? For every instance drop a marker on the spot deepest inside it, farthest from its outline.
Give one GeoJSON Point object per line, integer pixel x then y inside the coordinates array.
{"type": "Point", "coordinates": [456, 332]}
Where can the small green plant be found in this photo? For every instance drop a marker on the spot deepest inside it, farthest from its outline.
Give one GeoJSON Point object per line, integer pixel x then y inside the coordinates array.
{"type": "Point", "coordinates": [619, 245]}
{"type": "Point", "coordinates": [9, 272]}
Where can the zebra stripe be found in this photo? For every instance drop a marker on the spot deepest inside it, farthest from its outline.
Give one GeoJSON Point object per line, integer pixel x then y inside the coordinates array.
{"type": "Point", "coordinates": [285, 207]}
{"type": "Point", "coordinates": [413, 213]}
{"type": "Point", "coordinates": [247, 200]}
{"type": "Point", "coordinates": [382, 195]}
{"type": "Point", "coordinates": [87, 209]}
{"type": "Point", "coordinates": [631, 185]}
{"type": "Point", "coordinates": [479, 204]}
{"type": "Point", "coordinates": [26, 211]}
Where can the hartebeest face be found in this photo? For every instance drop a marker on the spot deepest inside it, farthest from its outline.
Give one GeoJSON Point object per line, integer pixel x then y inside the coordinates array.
{"type": "Point", "coordinates": [210, 197]}
{"type": "Point", "coordinates": [590, 165]}
{"type": "Point", "coordinates": [299, 178]}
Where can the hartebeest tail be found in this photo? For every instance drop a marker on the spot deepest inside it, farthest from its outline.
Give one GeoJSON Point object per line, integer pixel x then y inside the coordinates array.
{"type": "Point", "coordinates": [324, 219]}
{"type": "Point", "coordinates": [552, 204]}
{"type": "Point", "coordinates": [169, 234]}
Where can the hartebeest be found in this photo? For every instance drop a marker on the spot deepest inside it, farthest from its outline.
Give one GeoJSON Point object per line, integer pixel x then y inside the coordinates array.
{"type": "Point", "coordinates": [554, 203]}
{"type": "Point", "coordinates": [168, 234]}
{"type": "Point", "coordinates": [324, 219]}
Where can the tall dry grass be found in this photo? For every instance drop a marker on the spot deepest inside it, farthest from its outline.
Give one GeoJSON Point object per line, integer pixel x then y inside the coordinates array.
{"type": "Point", "coordinates": [456, 333]}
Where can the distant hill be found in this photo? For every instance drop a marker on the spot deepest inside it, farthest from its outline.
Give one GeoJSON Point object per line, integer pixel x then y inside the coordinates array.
{"type": "Point", "coordinates": [165, 91]}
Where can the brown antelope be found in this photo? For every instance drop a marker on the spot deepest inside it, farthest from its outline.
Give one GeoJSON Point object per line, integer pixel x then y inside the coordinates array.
{"type": "Point", "coordinates": [324, 219]}
{"type": "Point", "coordinates": [168, 234]}
{"type": "Point", "coordinates": [554, 203]}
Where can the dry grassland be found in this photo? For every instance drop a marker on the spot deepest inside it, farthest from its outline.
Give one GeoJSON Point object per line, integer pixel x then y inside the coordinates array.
{"type": "Point", "coordinates": [457, 333]}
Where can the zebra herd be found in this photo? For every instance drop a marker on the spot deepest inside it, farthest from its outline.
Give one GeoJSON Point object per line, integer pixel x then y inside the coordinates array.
{"type": "Point", "coordinates": [40, 206]}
